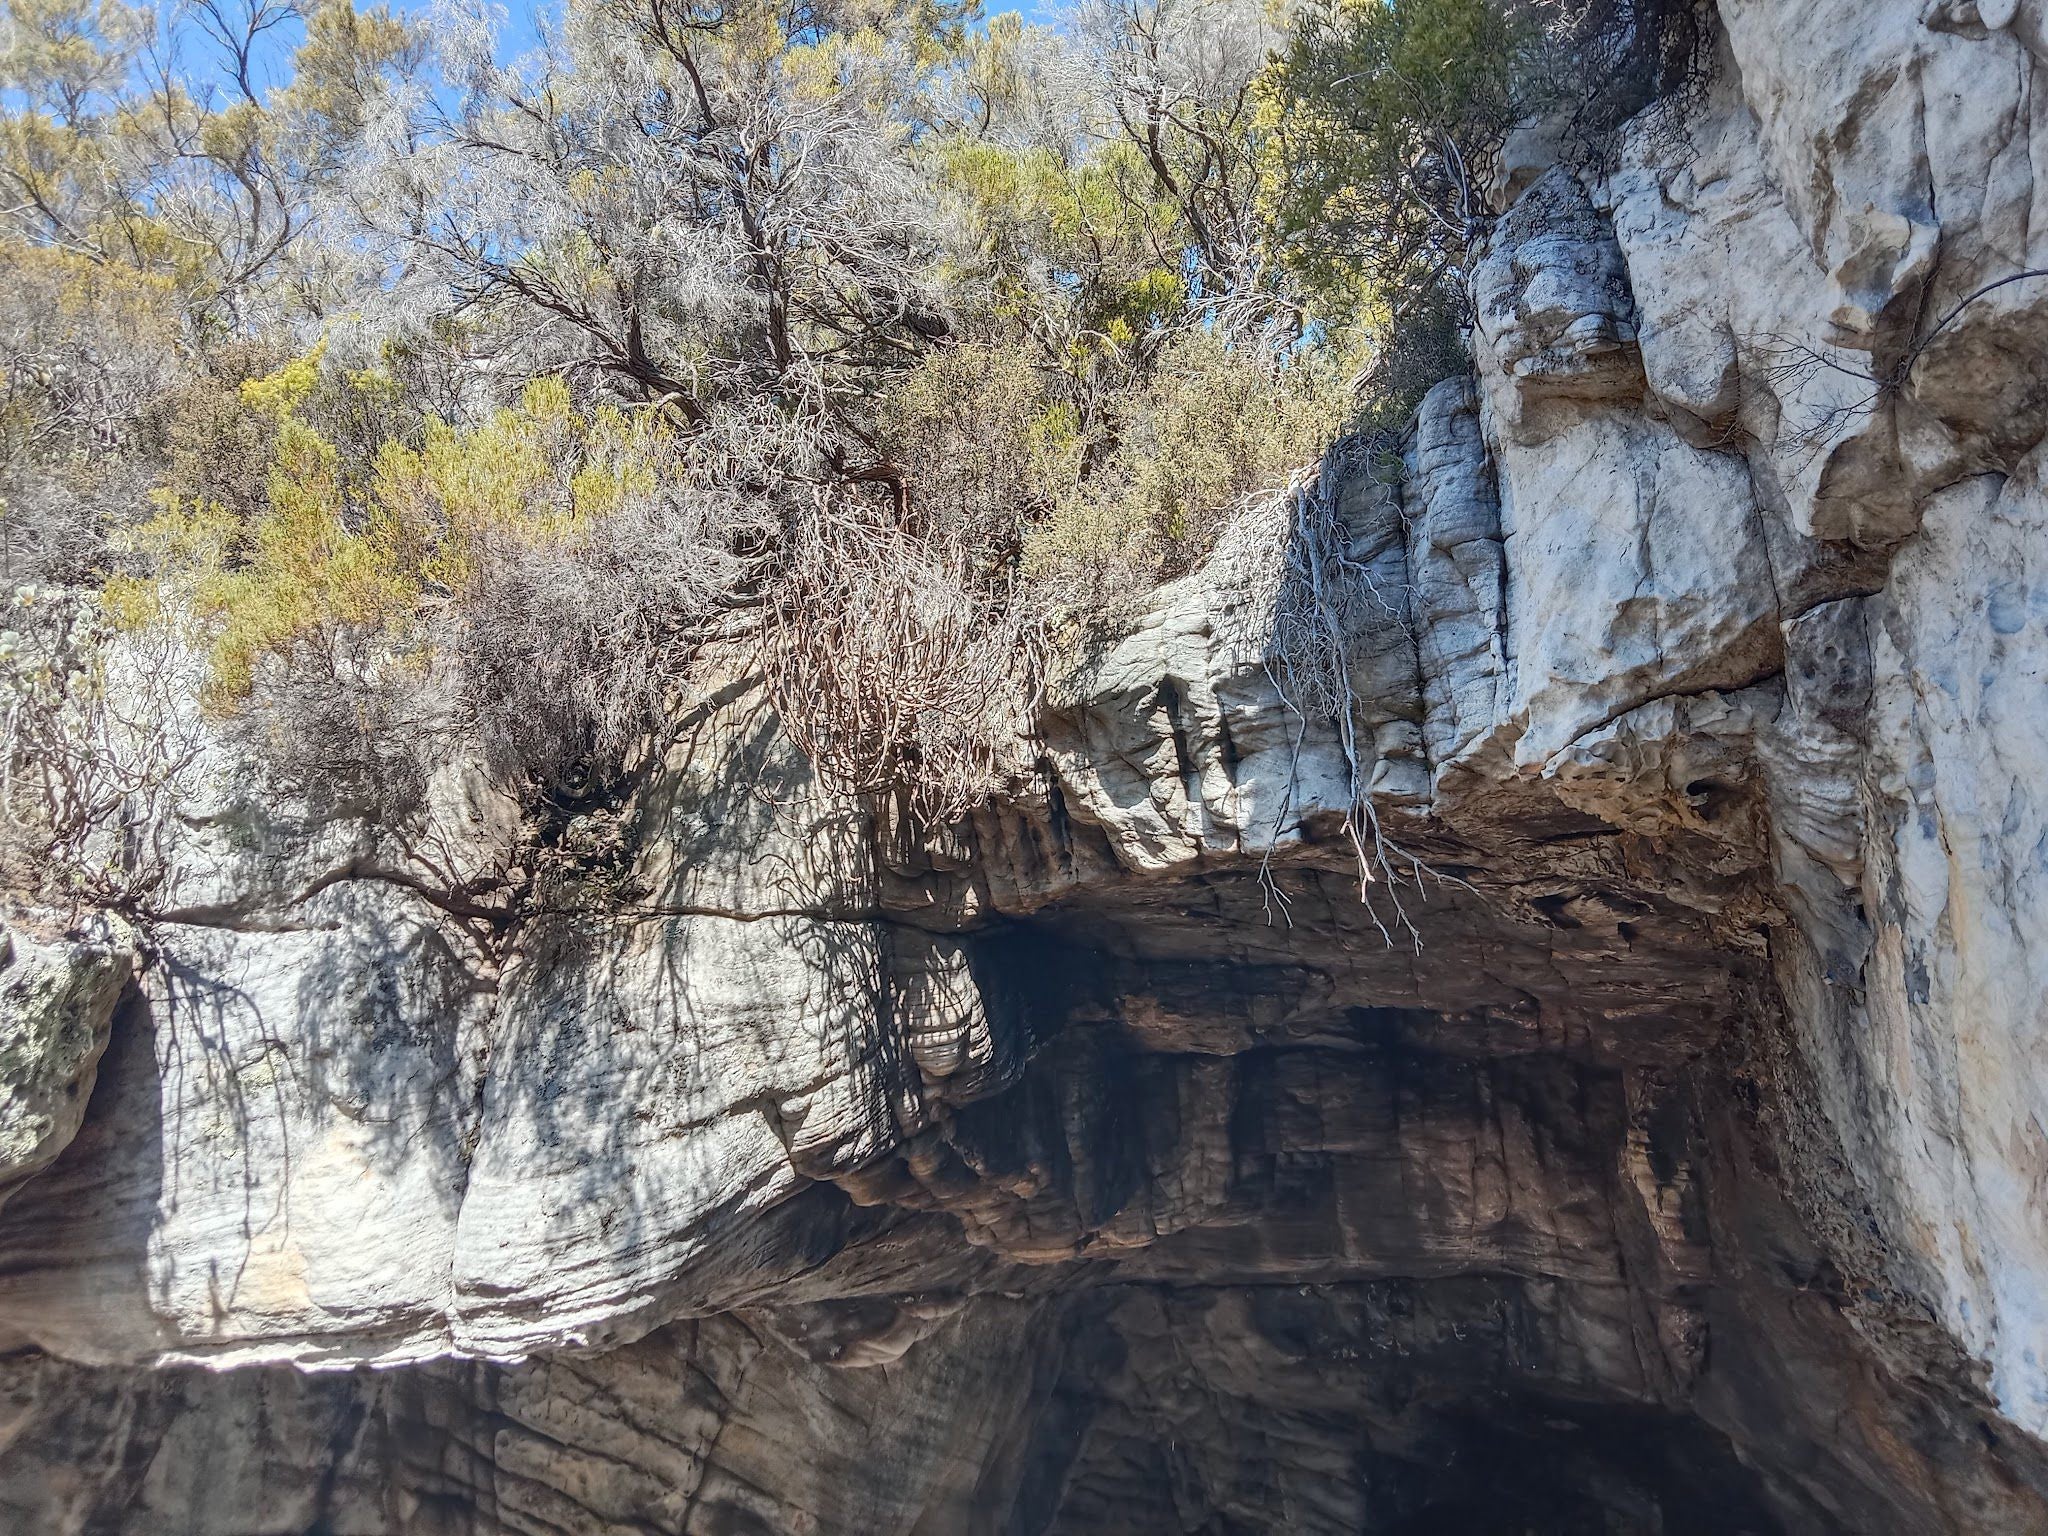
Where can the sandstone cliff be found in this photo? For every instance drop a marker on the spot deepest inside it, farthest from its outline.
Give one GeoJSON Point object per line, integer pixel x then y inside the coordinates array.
{"type": "Point", "coordinates": [1662, 1149]}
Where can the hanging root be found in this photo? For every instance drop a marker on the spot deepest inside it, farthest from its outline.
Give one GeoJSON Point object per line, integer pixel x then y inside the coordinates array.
{"type": "Point", "coordinates": [1317, 601]}
{"type": "Point", "coordinates": [892, 669]}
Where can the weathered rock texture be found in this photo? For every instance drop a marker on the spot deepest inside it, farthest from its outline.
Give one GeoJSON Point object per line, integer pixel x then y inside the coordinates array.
{"type": "Point", "coordinates": [1668, 1158]}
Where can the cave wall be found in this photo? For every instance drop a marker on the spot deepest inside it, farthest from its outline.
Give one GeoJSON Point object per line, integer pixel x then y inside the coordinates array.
{"type": "Point", "coordinates": [1655, 1145]}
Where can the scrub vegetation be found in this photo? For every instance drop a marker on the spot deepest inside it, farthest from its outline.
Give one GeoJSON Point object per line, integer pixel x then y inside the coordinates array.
{"type": "Point", "coordinates": [387, 383]}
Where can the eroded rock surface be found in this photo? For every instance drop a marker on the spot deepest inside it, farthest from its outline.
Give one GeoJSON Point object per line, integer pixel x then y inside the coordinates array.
{"type": "Point", "coordinates": [57, 997]}
{"type": "Point", "coordinates": [1655, 1144]}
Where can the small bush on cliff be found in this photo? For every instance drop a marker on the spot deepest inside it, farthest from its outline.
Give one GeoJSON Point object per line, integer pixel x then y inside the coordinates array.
{"type": "Point", "coordinates": [1604, 61]}
{"type": "Point", "coordinates": [549, 553]}
{"type": "Point", "coordinates": [1385, 120]}
{"type": "Point", "coordinates": [96, 751]}
{"type": "Point", "coordinates": [1386, 116]}
{"type": "Point", "coordinates": [1214, 426]}
{"type": "Point", "coordinates": [85, 348]}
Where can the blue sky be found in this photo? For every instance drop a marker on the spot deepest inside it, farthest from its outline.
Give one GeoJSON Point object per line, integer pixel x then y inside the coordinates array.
{"type": "Point", "coordinates": [514, 38]}
{"type": "Point", "coordinates": [519, 33]}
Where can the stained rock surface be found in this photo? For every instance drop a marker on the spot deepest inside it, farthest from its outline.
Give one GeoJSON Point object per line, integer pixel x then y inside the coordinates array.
{"type": "Point", "coordinates": [1655, 1145]}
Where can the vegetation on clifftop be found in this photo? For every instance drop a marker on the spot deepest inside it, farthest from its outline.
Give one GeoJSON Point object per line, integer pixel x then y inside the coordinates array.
{"type": "Point", "coordinates": [897, 342]}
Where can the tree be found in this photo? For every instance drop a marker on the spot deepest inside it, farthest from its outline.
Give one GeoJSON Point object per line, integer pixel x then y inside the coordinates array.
{"type": "Point", "coordinates": [705, 207]}
{"type": "Point", "coordinates": [122, 146]}
{"type": "Point", "coordinates": [1178, 78]}
{"type": "Point", "coordinates": [162, 193]}
{"type": "Point", "coordinates": [1384, 118]}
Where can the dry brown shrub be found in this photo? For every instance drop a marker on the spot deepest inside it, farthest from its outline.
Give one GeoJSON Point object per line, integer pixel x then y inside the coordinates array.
{"type": "Point", "coordinates": [567, 651]}
{"type": "Point", "coordinates": [99, 743]}
{"type": "Point", "coordinates": [892, 668]}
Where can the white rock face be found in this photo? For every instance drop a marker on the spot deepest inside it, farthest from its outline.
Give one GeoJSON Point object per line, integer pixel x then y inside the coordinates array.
{"type": "Point", "coordinates": [277, 1161]}
{"type": "Point", "coordinates": [56, 1005]}
{"type": "Point", "coordinates": [1884, 180]}
{"type": "Point", "coordinates": [678, 1080]}
{"type": "Point", "coordinates": [1944, 1081]}
{"type": "Point", "coordinates": [347, 1130]}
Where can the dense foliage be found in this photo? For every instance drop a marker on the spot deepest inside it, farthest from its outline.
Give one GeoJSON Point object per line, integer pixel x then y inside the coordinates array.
{"type": "Point", "coordinates": [343, 353]}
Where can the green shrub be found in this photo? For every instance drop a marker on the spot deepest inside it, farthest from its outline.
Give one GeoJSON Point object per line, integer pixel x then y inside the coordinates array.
{"type": "Point", "coordinates": [547, 552]}
{"type": "Point", "coordinates": [983, 442]}
{"type": "Point", "coordinates": [1214, 425]}
{"type": "Point", "coordinates": [1382, 120]}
